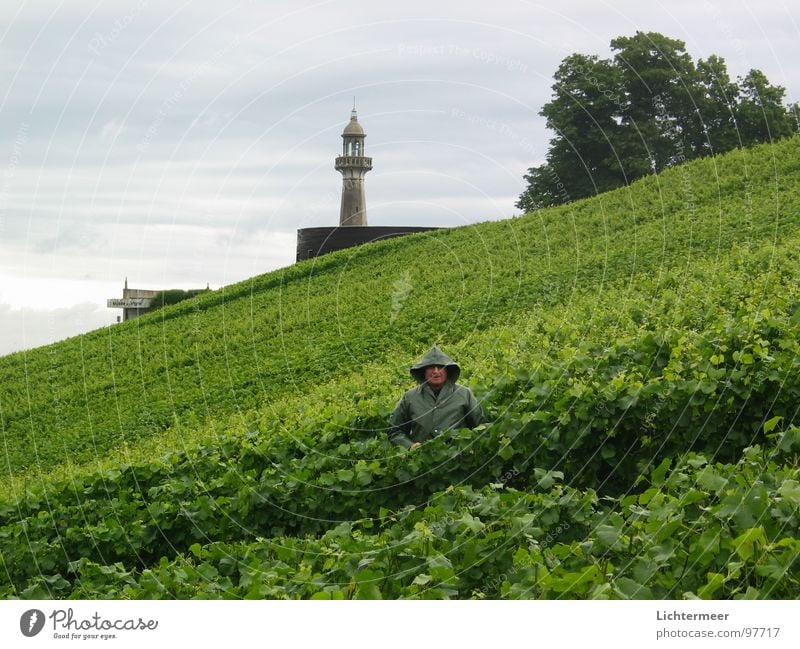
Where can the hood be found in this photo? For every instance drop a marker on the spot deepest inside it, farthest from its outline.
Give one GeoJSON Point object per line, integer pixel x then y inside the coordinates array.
{"type": "Point", "coordinates": [435, 356]}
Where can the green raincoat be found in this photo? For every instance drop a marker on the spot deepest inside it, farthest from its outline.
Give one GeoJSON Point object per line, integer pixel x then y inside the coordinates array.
{"type": "Point", "coordinates": [421, 414]}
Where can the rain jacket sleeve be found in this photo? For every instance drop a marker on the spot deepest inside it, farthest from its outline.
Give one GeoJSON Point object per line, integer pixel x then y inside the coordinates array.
{"type": "Point", "coordinates": [400, 424]}
{"type": "Point", "coordinates": [475, 412]}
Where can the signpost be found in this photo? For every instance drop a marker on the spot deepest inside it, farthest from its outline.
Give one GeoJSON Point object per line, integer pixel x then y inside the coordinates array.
{"type": "Point", "coordinates": [129, 303]}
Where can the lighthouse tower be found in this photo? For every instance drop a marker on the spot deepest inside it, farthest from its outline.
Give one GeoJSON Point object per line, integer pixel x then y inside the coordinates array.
{"type": "Point", "coordinates": [354, 166]}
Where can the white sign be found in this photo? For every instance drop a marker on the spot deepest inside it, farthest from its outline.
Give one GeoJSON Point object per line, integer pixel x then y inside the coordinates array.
{"type": "Point", "coordinates": [763, 623]}
{"type": "Point", "coordinates": [129, 303]}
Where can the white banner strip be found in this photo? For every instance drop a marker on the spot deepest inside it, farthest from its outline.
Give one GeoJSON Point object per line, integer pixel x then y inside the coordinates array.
{"type": "Point", "coordinates": [403, 624]}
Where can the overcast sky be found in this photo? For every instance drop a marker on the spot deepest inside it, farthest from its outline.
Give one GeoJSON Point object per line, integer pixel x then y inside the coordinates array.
{"type": "Point", "coordinates": [183, 144]}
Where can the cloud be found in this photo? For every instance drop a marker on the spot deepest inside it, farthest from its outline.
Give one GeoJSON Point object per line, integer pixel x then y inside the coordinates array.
{"type": "Point", "coordinates": [27, 328]}
{"type": "Point", "coordinates": [113, 129]}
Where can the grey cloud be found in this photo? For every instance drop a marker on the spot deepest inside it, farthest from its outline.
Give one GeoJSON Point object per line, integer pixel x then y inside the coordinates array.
{"type": "Point", "coordinates": [26, 328]}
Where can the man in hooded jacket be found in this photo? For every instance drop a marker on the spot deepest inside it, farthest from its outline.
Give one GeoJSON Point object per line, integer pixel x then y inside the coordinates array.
{"type": "Point", "coordinates": [435, 405]}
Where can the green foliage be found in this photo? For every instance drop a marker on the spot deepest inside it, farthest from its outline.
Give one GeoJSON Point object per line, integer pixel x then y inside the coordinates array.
{"type": "Point", "coordinates": [642, 403]}
{"type": "Point", "coordinates": [699, 530]}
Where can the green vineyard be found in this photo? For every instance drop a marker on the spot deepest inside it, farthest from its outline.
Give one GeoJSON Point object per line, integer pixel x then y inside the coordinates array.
{"type": "Point", "coordinates": [637, 356]}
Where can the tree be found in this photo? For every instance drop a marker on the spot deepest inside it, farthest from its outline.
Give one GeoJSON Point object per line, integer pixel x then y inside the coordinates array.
{"type": "Point", "coordinates": [760, 114]}
{"type": "Point", "coordinates": [716, 106]}
{"type": "Point", "coordinates": [647, 108]}
{"type": "Point", "coordinates": [585, 117]}
{"type": "Point", "coordinates": [660, 82]}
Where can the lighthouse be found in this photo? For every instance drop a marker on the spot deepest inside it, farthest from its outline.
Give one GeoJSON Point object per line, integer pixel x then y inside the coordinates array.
{"type": "Point", "coordinates": [353, 165]}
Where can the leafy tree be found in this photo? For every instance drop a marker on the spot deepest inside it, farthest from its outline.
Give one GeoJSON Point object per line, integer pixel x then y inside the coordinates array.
{"type": "Point", "coordinates": [760, 114]}
{"type": "Point", "coordinates": [717, 105]}
{"type": "Point", "coordinates": [659, 81]}
{"type": "Point", "coordinates": [585, 117]}
{"type": "Point", "coordinates": [647, 108]}
{"type": "Point", "coordinates": [174, 295]}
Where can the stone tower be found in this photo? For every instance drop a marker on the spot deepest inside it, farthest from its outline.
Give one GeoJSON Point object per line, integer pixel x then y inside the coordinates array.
{"type": "Point", "coordinates": [354, 166]}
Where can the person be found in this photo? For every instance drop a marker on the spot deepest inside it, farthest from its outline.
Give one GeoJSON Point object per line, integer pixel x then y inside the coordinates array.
{"type": "Point", "coordinates": [437, 404]}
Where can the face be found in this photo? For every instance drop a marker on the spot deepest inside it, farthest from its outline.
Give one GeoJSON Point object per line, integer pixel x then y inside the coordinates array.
{"type": "Point", "coordinates": [435, 376]}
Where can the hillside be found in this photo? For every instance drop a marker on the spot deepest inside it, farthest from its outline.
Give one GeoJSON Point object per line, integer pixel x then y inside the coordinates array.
{"type": "Point", "coordinates": [636, 354]}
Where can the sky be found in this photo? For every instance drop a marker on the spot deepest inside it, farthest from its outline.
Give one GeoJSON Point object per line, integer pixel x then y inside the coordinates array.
{"type": "Point", "coordinates": [181, 145]}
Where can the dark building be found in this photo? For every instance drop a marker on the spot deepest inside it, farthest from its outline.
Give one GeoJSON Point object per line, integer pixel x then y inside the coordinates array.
{"type": "Point", "coordinates": [313, 242]}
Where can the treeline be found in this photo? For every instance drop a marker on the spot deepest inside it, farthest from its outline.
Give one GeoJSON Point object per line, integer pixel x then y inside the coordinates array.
{"type": "Point", "coordinates": [647, 108]}
{"type": "Point", "coordinates": [175, 295]}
